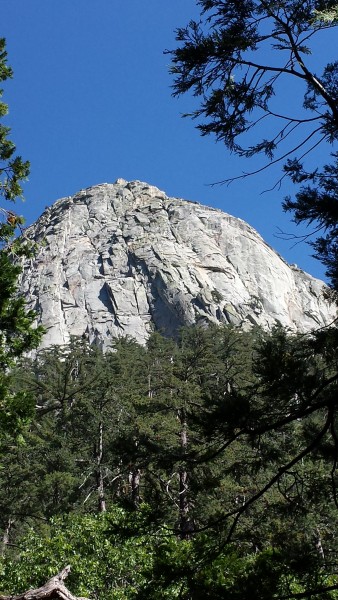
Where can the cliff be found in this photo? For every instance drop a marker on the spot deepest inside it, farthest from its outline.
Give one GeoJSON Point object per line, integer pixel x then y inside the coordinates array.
{"type": "Point", "coordinates": [123, 259]}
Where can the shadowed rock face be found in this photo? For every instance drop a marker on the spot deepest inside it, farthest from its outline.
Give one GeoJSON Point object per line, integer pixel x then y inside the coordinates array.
{"type": "Point", "coordinates": [123, 259]}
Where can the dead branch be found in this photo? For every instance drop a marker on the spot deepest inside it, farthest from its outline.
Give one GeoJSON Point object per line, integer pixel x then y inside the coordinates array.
{"type": "Point", "coordinates": [54, 589]}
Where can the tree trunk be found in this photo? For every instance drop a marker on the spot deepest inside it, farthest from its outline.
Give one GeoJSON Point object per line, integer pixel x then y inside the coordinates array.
{"type": "Point", "coordinates": [5, 537]}
{"type": "Point", "coordinates": [185, 524]}
{"type": "Point", "coordinates": [319, 546]}
{"type": "Point", "coordinates": [134, 482]}
{"type": "Point", "coordinates": [99, 472]}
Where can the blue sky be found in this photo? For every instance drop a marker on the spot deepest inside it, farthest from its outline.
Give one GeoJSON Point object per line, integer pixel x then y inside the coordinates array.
{"type": "Point", "coordinates": [90, 101]}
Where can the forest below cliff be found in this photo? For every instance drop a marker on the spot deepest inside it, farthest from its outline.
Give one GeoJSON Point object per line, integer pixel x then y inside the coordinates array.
{"type": "Point", "coordinates": [198, 467]}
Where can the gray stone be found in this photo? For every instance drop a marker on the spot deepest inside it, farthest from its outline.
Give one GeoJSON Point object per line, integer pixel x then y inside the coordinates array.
{"type": "Point", "coordinates": [123, 259]}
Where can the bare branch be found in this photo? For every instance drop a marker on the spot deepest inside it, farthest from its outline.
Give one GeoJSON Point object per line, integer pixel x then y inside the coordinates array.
{"type": "Point", "coordinates": [53, 589]}
{"type": "Point", "coordinates": [273, 162]}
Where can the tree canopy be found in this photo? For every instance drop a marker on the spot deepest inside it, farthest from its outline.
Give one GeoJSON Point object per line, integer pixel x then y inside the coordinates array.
{"type": "Point", "coordinates": [236, 58]}
{"type": "Point", "coordinates": [13, 170]}
{"type": "Point", "coordinates": [17, 330]}
{"type": "Point", "coordinates": [207, 462]}
{"type": "Point", "coordinates": [235, 61]}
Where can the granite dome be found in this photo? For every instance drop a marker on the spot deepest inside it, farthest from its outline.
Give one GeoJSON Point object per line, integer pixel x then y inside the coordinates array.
{"type": "Point", "coordinates": [124, 259]}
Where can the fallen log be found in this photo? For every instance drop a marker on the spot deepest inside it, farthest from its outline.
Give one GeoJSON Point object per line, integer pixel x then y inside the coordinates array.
{"type": "Point", "coordinates": [54, 589]}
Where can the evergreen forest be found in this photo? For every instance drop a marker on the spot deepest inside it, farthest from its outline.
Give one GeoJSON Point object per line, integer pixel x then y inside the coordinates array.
{"type": "Point", "coordinates": [198, 467]}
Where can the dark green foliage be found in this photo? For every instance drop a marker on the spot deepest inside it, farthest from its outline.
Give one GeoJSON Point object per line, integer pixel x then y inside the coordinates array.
{"type": "Point", "coordinates": [223, 431]}
{"type": "Point", "coordinates": [223, 60]}
{"type": "Point", "coordinates": [235, 60]}
{"type": "Point", "coordinates": [12, 169]}
{"type": "Point", "coordinates": [317, 204]}
{"type": "Point", "coordinates": [17, 331]}
{"type": "Point", "coordinates": [18, 334]}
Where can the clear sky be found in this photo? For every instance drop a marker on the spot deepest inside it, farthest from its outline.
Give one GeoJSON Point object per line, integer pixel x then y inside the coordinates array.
{"type": "Point", "coordinates": [90, 102]}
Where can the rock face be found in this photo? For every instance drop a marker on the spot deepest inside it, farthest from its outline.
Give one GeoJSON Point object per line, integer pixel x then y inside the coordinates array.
{"type": "Point", "coordinates": [123, 259]}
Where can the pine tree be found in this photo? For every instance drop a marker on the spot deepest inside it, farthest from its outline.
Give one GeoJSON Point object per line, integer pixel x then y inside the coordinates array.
{"type": "Point", "coordinates": [235, 60]}
{"type": "Point", "coordinates": [17, 331]}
